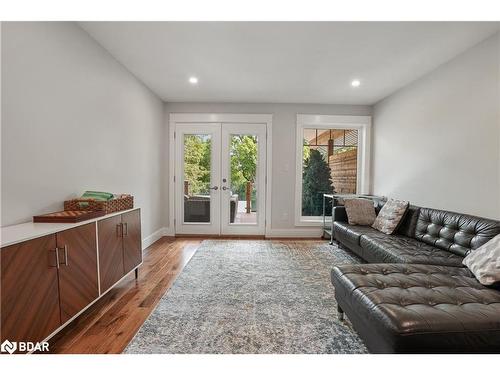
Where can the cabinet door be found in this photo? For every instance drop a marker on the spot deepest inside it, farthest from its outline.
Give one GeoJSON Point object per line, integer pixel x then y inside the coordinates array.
{"type": "Point", "coordinates": [132, 243]}
{"type": "Point", "coordinates": [110, 251]}
{"type": "Point", "coordinates": [78, 269]}
{"type": "Point", "coordinates": [29, 290]}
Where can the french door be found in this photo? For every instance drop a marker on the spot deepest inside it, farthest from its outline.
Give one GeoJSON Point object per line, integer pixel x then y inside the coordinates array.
{"type": "Point", "coordinates": [220, 180]}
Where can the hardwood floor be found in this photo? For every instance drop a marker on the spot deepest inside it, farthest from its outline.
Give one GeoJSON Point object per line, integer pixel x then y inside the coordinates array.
{"type": "Point", "coordinates": [110, 324]}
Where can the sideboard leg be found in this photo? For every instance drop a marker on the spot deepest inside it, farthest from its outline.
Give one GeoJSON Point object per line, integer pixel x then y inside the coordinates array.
{"type": "Point", "coordinates": [136, 273]}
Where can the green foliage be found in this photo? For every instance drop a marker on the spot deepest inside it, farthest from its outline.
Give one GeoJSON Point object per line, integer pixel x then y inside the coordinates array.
{"type": "Point", "coordinates": [306, 153]}
{"type": "Point", "coordinates": [243, 162]}
{"type": "Point", "coordinates": [197, 150]}
{"type": "Point", "coordinates": [316, 181]}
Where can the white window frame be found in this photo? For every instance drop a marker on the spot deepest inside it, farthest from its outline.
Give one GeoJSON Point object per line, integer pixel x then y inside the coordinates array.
{"type": "Point", "coordinates": [362, 124]}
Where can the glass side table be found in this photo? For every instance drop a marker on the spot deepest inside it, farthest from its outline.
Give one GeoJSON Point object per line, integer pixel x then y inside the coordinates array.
{"type": "Point", "coordinates": [338, 198]}
{"type": "Point", "coordinates": [328, 202]}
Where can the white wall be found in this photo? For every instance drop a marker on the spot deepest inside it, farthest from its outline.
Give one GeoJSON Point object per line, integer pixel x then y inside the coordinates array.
{"type": "Point", "coordinates": [283, 138]}
{"type": "Point", "coordinates": [498, 88]}
{"type": "Point", "coordinates": [74, 119]}
{"type": "Point", "coordinates": [436, 142]}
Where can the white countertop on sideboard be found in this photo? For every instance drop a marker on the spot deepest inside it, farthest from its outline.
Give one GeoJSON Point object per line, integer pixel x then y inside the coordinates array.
{"type": "Point", "coordinates": [14, 234]}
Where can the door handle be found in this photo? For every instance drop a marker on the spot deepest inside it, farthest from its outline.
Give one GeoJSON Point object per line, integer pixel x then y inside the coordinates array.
{"type": "Point", "coordinates": [214, 188]}
{"type": "Point", "coordinates": [119, 230]}
{"type": "Point", "coordinates": [126, 229]}
{"type": "Point", "coordinates": [66, 255]}
{"type": "Point", "coordinates": [224, 188]}
{"type": "Point", "coordinates": [58, 259]}
{"type": "Point", "coordinates": [57, 256]}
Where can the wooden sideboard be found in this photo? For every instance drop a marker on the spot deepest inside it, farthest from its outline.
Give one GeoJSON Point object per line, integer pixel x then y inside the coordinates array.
{"type": "Point", "coordinates": [119, 236]}
{"type": "Point", "coordinates": [50, 273]}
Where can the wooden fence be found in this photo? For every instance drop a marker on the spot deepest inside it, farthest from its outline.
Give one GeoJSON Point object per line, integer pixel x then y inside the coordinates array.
{"type": "Point", "coordinates": [344, 166]}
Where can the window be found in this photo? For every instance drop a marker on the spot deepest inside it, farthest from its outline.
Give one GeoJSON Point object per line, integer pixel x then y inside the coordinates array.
{"type": "Point", "coordinates": [331, 158]}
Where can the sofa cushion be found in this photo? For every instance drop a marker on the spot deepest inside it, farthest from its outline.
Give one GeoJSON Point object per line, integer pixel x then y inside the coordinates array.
{"type": "Point", "coordinates": [484, 262]}
{"type": "Point", "coordinates": [419, 308]}
{"type": "Point", "coordinates": [360, 211]}
{"type": "Point", "coordinates": [454, 232]}
{"type": "Point", "coordinates": [390, 216]}
{"type": "Point", "coordinates": [401, 249]}
{"type": "Point", "coordinates": [351, 233]}
{"type": "Point", "coordinates": [408, 224]}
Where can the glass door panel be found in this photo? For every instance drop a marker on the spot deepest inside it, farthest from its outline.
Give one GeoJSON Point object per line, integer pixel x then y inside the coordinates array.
{"type": "Point", "coordinates": [243, 178]}
{"type": "Point", "coordinates": [243, 181]}
{"type": "Point", "coordinates": [197, 178]}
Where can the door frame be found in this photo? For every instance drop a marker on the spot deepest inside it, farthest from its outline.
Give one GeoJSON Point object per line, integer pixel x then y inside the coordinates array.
{"type": "Point", "coordinates": [259, 130]}
{"type": "Point", "coordinates": [213, 129]}
{"type": "Point", "coordinates": [234, 118]}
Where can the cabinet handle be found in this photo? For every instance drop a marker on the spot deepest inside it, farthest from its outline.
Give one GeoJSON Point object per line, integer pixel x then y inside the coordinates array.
{"type": "Point", "coordinates": [126, 229]}
{"type": "Point", "coordinates": [66, 255]}
{"type": "Point", "coordinates": [57, 257]}
{"type": "Point", "coordinates": [119, 230]}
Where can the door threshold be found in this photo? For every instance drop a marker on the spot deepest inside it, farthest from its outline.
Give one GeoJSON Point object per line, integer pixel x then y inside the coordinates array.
{"type": "Point", "coordinates": [222, 236]}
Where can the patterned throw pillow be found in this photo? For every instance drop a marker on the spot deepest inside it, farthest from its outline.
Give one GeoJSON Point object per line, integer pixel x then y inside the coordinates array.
{"type": "Point", "coordinates": [390, 216]}
{"type": "Point", "coordinates": [360, 211]}
{"type": "Point", "coordinates": [484, 262]}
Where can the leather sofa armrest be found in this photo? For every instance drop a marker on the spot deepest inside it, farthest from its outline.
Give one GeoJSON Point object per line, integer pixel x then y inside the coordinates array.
{"type": "Point", "coordinates": [339, 214]}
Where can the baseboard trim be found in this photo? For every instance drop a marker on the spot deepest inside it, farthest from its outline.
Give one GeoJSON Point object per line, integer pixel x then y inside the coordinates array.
{"type": "Point", "coordinates": [272, 233]}
{"type": "Point", "coordinates": [295, 233]}
{"type": "Point", "coordinates": [169, 232]}
{"type": "Point", "coordinates": [151, 239]}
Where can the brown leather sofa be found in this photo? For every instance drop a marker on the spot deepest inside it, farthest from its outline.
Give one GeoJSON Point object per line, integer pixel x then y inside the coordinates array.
{"type": "Point", "coordinates": [417, 297]}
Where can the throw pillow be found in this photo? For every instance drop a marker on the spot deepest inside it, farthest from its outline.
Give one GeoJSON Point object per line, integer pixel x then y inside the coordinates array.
{"type": "Point", "coordinates": [360, 211]}
{"type": "Point", "coordinates": [390, 216]}
{"type": "Point", "coordinates": [484, 262]}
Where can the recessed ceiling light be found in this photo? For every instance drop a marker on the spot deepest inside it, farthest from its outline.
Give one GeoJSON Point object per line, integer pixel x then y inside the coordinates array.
{"type": "Point", "coordinates": [355, 83]}
{"type": "Point", "coordinates": [193, 80]}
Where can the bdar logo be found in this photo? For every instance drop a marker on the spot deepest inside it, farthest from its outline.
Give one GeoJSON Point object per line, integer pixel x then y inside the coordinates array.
{"type": "Point", "coordinates": [8, 347]}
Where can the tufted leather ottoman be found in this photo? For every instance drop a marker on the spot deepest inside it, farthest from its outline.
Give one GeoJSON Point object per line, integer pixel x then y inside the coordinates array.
{"type": "Point", "coordinates": [412, 308]}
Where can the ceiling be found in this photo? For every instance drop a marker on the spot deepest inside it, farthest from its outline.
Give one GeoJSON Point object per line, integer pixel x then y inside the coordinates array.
{"type": "Point", "coordinates": [283, 62]}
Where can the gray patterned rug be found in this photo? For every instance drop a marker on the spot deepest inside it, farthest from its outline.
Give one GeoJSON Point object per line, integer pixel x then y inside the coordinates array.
{"type": "Point", "coordinates": [251, 297]}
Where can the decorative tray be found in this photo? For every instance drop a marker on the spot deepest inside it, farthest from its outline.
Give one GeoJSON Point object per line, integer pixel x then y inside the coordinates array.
{"type": "Point", "coordinates": [69, 216]}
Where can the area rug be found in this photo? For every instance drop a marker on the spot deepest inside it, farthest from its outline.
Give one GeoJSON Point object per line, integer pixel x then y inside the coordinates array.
{"type": "Point", "coordinates": [252, 297]}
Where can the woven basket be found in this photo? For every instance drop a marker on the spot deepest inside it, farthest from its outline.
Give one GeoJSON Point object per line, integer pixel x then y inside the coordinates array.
{"type": "Point", "coordinates": [113, 205]}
